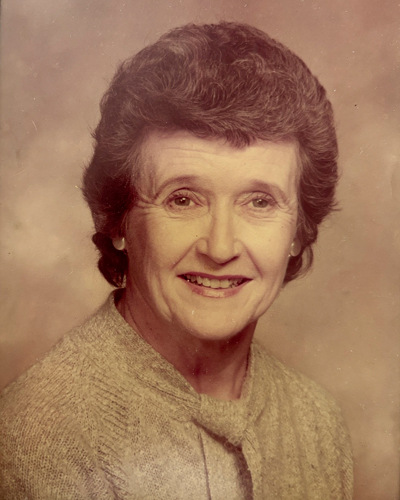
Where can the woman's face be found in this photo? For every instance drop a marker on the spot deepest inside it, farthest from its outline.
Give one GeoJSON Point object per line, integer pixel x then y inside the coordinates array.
{"type": "Point", "coordinates": [209, 240]}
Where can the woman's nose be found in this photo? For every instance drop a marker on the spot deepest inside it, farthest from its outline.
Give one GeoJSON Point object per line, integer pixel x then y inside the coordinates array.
{"type": "Point", "coordinates": [219, 242]}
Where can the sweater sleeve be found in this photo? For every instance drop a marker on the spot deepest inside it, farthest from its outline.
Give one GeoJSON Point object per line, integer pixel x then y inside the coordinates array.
{"type": "Point", "coordinates": [47, 451]}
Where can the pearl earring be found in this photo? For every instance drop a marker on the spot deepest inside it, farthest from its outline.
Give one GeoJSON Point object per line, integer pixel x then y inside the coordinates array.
{"type": "Point", "coordinates": [295, 249]}
{"type": "Point", "coordinates": [119, 243]}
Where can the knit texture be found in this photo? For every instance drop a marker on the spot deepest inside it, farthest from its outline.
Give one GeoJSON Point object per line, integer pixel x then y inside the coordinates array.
{"type": "Point", "coordinates": [104, 416]}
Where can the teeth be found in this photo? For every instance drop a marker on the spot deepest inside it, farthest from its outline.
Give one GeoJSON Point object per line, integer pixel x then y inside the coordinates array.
{"type": "Point", "coordinates": [213, 283]}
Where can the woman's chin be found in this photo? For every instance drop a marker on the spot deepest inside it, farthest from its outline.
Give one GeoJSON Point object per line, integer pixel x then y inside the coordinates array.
{"type": "Point", "coordinates": [211, 331]}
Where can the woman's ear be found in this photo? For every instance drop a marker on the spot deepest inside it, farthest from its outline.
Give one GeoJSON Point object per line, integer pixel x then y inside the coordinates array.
{"type": "Point", "coordinates": [295, 248]}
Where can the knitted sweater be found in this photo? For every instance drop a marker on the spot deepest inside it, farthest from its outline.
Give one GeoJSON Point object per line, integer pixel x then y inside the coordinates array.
{"type": "Point", "coordinates": [104, 416]}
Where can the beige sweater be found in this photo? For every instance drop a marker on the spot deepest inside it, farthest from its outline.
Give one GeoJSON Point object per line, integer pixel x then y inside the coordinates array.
{"type": "Point", "coordinates": [105, 416]}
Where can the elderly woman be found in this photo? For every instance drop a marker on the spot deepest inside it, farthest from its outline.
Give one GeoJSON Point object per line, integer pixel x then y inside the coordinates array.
{"type": "Point", "coordinates": [214, 164]}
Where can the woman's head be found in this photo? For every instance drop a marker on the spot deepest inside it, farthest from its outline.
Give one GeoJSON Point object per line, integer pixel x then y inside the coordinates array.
{"type": "Point", "coordinates": [227, 81]}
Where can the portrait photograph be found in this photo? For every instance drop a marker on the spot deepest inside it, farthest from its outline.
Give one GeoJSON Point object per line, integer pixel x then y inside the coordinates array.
{"type": "Point", "coordinates": [200, 250]}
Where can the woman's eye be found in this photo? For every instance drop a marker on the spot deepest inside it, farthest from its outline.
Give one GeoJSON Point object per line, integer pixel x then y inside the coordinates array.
{"type": "Point", "coordinates": [260, 203]}
{"type": "Point", "coordinates": [182, 201]}
{"type": "Point", "coordinates": [185, 203]}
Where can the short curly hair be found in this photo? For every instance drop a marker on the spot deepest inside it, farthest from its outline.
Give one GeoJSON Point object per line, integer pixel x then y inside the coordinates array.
{"type": "Point", "coordinates": [226, 80]}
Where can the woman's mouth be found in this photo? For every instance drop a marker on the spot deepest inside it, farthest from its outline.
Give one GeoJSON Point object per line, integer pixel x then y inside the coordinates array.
{"type": "Point", "coordinates": [213, 282]}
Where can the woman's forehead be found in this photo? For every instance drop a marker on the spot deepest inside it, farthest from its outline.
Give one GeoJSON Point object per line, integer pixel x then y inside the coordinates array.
{"type": "Point", "coordinates": [155, 140]}
{"type": "Point", "coordinates": [180, 154]}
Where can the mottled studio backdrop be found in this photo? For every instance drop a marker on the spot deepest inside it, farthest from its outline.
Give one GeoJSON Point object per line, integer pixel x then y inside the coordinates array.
{"type": "Point", "coordinates": [340, 324]}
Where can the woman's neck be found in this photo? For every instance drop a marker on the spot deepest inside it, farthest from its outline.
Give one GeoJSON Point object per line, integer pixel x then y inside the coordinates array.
{"type": "Point", "coordinates": [213, 367]}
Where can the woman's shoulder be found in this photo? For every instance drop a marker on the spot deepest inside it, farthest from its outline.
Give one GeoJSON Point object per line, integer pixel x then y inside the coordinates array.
{"type": "Point", "coordinates": [51, 379]}
{"type": "Point", "coordinates": [61, 373]}
{"type": "Point", "coordinates": [293, 386]}
{"type": "Point", "coordinates": [49, 418]}
{"type": "Point", "coordinates": [48, 430]}
{"type": "Point", "coordinates": [302, 420]}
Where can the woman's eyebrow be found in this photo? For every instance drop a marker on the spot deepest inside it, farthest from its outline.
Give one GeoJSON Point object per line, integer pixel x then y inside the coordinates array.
{"type": "Point", "coordinates": [181, 179]}
{"type": "Point", "coordinates": [268, 187]}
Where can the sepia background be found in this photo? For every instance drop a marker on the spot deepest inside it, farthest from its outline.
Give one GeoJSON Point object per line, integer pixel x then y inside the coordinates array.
{"type": "Point", "coordinates": [340, 324]}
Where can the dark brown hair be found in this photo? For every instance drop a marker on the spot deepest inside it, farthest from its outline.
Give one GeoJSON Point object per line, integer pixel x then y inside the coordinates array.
{"type": "Point", "coordinates": [224, 80]}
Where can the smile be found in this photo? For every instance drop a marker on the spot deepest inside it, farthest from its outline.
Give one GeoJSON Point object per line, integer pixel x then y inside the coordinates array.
{"type": "Point", "coordinates": [213, 282]}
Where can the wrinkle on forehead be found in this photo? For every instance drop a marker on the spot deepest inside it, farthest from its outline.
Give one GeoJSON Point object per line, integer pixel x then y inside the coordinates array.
{"type": "Point", "coordinates": [187, 147]}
